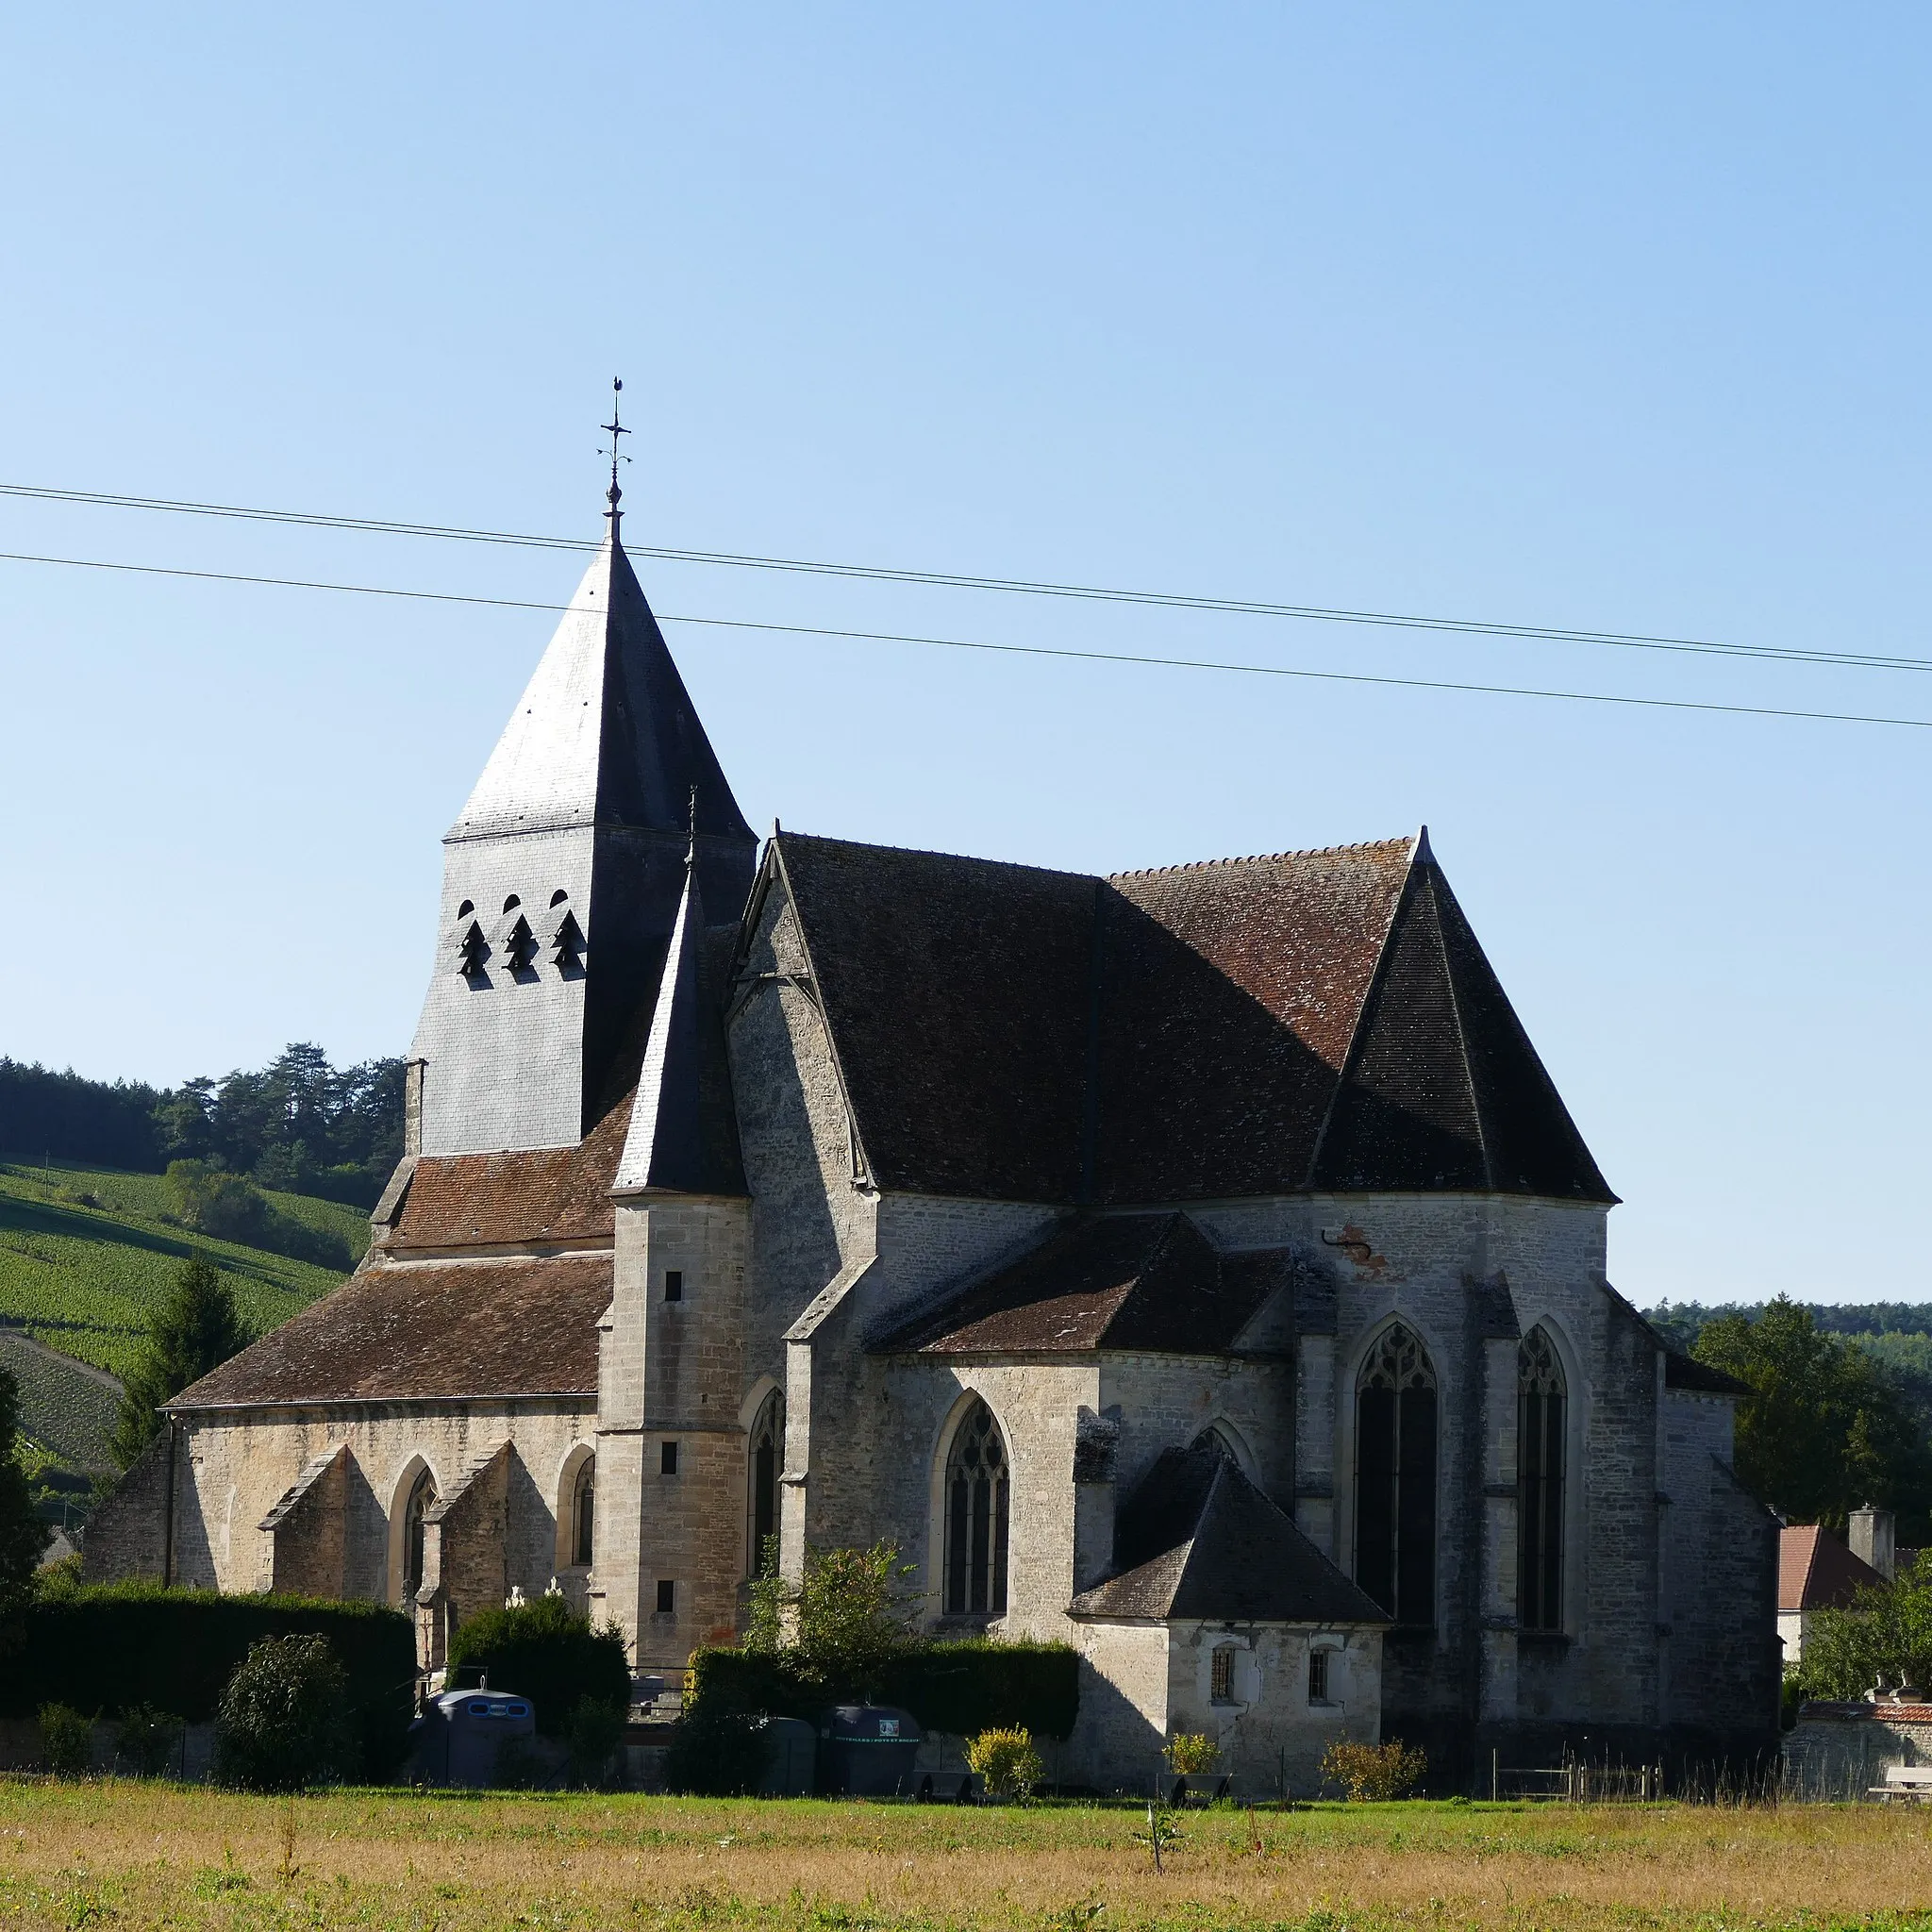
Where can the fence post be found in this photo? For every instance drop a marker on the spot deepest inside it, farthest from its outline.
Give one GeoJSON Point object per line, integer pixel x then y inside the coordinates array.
{"type": "Point", "coordinates": [1495, 1773]}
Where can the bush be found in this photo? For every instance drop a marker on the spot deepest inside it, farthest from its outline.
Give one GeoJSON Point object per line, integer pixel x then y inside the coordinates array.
{"type": "Point", "coordinates": [547, 1653]}
{"type": "Point", "coordinates": [66, 1740]}
{"type": "Point", "coordinates": [718, 1755]}
{"type": "Point", "coordinates": [282, 1724]}
{"type": "Point", "coordinates": [1190, 1752]}
{"type": "Point", "coordinates": [595, 1730]}
{"type": "Point", "coordinates": [231, 1207]}
{"type": "Point", "coordinates": [850, 1616]}
{"type": "Point", "coordinates": [149, 1738]}
{"type": "Point", "coordinates": [116, 1646]}
{"type": "Point", "coordinates": [960, 1688]}
{"type": "Point", "coordinates": [1375, 1774]}
{"type": "Point", "coordinates": [1005, 1762]}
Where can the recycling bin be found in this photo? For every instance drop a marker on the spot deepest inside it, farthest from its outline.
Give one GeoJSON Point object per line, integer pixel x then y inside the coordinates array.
{"type": "Point", "coordinates": [867, 1751]}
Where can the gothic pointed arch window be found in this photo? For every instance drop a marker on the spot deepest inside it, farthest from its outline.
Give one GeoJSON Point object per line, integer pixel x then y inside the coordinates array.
{"type": "Point", "coordinates": [415, 1519]}
{"type": "Point", "coordinates": [1395, 1477]}
{"type": "Point", "coordinates": [978, 1486]}
{"type": "Point", "coordinates": [583, 1515]}
{"type": "Point", "coordinates": [765, 1459]}
{"type": "Point", "coordinates": [1542, 1403]}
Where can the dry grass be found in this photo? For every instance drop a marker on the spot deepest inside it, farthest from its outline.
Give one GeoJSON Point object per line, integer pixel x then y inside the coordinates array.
{"type": "Point", "coordinates": [133, 1855]}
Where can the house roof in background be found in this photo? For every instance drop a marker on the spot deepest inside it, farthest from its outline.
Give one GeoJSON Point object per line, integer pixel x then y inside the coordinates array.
{"type": "Point", "coordinates": [1815, 1571]}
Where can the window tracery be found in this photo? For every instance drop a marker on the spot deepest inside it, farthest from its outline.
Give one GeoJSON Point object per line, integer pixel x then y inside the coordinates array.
{"type": "Point", "coordinates": [977, 1507]}
{"type": "Point", "coordinates": [1542, 1401]}
{"type": "Point", "coordinates": [1395, 1477]}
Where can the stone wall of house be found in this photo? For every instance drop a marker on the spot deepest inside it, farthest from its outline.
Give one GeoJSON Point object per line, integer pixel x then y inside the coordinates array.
{"type": "Point", "coordinates": [127, 1531]}
{"type": "Point", "coordinates": [1837, 1753]}
{"type": "Point", "coordinates": [236, 1468]}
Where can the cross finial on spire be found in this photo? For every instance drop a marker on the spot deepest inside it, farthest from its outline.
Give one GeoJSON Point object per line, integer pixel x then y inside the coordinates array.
{"type": "Point", "coordinates": [614, 428]}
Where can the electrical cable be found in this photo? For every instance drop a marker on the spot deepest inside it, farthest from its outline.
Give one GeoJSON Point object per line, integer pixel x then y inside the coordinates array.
{"type": "Point", "coordinates": [1011, 650]}
{"type": "Point", "coordinates": [1014, 585]}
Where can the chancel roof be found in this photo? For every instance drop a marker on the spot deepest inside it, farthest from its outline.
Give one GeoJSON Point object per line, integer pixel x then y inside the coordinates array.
{"type": "Point", "coordinates": [1197, 1539]}
{"type": "Point", "coordinates": [605, 732]}
{"type": "Point", "coordinates": [1150, 1282]}
{"type": "Point", "coordinates": [426, 1331]}
{"type": "Point", "coordinates": [1306, 1020]}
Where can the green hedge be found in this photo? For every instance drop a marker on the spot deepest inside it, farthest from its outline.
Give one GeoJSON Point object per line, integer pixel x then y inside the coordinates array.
{"type": "Point", "coordinates": [961, 1687]}
{"type": "Point", "coordinates": [546, 1652]}
{"type": "Point", "coordinates": [105, 1648]}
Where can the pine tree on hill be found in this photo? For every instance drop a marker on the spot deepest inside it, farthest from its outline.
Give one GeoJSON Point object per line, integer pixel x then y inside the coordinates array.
{"type": "Point", "coordinates": [195, 1330]}
{"type": "Point", "coordinates": [22, 1535]}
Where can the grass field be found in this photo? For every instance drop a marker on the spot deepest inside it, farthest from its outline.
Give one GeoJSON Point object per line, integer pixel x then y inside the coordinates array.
{"type": "Point", "coordinates": [130, 1855]}
{"type": "Point", "coordinates": [82, 1280]}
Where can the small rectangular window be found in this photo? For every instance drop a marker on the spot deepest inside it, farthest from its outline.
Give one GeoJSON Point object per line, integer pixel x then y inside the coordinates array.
{"type": "Point", "coordinates": [1318, 1677]}
{"type": "Point", "coordinates": [674, 1284]}
{"type": "Point", "coordinates": [1220, 1680]}
{"type": "Point", "coordinates": [667, 1596]}
{"type": "Point", "coordinates": [666, 1458]}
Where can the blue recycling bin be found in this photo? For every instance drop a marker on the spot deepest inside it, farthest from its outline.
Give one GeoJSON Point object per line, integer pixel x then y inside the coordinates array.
{"type": "Point", "coordinates": [457, 1738]}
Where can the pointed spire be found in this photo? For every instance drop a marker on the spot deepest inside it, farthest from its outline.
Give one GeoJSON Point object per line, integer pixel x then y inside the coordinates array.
{"type": "Point", "coordinates": [1422, 854]}
{"type": "Point", "coordinates": [665, 1147]}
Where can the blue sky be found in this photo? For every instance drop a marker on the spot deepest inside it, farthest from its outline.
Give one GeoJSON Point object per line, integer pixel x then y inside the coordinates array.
{"type": "Point", "coordinates": [1605, 318]}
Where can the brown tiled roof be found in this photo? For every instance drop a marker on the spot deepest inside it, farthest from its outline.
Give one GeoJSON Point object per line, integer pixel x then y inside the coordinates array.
{"type": "Point", "coordinates": [1126, 1281]}
{"type": "Point", "coordinates": [1816, 1571]}
{"type": "Point", "coordinates": [1257, 1025]}
{"type": "Point", "coordinates": [1197, 1539]}
{"type": "Point", "coordinates": [547, 1194]}
{"type": "Point", "coordinates": [427, 1331]}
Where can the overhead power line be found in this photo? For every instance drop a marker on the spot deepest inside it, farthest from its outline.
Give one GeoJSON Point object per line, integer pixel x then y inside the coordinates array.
{"type": "Point", "coordinates": [811, 630]}
{"type": "Point", "coordinates": [1167, 600]}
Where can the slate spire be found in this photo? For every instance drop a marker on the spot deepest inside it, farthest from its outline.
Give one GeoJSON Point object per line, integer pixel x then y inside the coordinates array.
{"type": "Point", "coordinates": [605, 732]}
{"type": "Point", "coordinates": [666, 1145]}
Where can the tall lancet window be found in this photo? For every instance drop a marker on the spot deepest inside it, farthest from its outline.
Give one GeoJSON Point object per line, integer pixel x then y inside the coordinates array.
{"type": "Point", "coordinates": [765, 1459]}
{"type": "Point", "coordinates": [583, 1515]}
{"type": "Point", "coordinates": [1395, 1477]}
{"type": "Point", "coordinates": [415, 1514]}
{"type": "Point", "coordinates": [1540, 1426]}
{"type": "Point", "coordinates": [977, 1487]}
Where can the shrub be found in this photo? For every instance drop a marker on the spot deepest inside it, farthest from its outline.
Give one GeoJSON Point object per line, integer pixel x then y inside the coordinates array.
{"type": "Point", "coordinates": [961, 1688]}
{"type": "Point", "coordinates": [850, 1615]}
{"type": "Point", "coordinates": [149, 1738]}
{"type": "Point", "coordinates": [66, 1740]}
{"type": "Point", "coordinates": [115, 1646]}
{"type": "Point", "coordinates": [718, 1755]}
{"type": "Point", "coordinates": [546, 1652]}
{"type": "Point", "coordinates": [231, 1207]}
{"type": "Point", "coordinates": [1005, 1762]}
{"type": "Point", "coordinates": [1375, 1774]}
{"type": "Point", "coordinates": [595, 1730]}
{"type": "Point", "coordinates": [1190, 1752]}
{"type": "Point", "coordinates": [282, 1724]}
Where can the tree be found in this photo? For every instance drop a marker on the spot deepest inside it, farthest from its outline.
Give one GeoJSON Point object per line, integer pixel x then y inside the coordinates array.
{"type": "Point", "coordinates": [195, 1330]}
{"type": "Point", "coordinates": [852, 1612]}
{"type": "Point", "coordinates": [23, 1536]}
{"type": "Point", "coordinates": [1825, 1430]}
{"type": "Point", "coordinates": [282, 1724]}
{"type": "Point", "coordinates": [1883, 1632]}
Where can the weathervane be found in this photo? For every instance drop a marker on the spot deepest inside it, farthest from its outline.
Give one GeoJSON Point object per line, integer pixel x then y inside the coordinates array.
{"type": "Point", "coordinates": [614, 428]}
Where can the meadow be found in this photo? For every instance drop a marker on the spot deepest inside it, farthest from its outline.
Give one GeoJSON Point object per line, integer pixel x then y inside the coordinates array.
{"type": "Point", "coordinates": [137, 1854]}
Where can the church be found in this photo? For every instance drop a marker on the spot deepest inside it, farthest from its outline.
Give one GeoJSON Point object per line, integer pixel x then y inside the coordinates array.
{"type": "Point", "coordinates": [1195, 1266]}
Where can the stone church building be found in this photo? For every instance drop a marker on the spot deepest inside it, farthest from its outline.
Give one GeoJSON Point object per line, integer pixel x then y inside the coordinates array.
{"type": "Point", "coordinates": [1196, 1265]}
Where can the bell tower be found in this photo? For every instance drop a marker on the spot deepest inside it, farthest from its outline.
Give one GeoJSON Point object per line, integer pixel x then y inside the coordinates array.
{"type": "Point", "coordinates": [562, 877]}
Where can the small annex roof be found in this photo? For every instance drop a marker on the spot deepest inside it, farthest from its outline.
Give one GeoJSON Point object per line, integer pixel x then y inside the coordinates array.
{"type": "Point", "coordinates": [605, 732]}
{"type": "Point", "coordinates": [1150, 1282]}
{"type": "Point", "coordinates": [1815, 1571]}
{"type": "Point", "coordinates": [427, 1331]}
{"type": "Point", "coordinates": [1197, 1539]}
{"type": "Point", "coordinates": [1296, 1021]}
